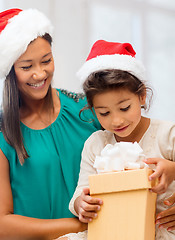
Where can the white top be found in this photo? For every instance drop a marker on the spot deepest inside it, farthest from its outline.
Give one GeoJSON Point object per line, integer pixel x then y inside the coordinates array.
{"type": "Point", "coordinates": [157, 142]}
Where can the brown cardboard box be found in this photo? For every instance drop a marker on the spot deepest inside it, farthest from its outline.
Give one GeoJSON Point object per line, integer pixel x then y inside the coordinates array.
{"type": "Point", "coordinates": [128, 211]}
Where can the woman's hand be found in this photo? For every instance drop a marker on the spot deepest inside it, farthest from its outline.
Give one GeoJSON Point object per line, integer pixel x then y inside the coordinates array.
{"type": "Point", "coordinates": [87, 206]}
{"type": "Point", "coordinates": [166, 219]}
{"type": "Point", "coordinates": [61, 238]}
{"type": "Point", "coordinates": [165, 172]}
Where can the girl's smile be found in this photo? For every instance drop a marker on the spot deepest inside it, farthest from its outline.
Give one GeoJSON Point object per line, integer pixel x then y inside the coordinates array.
{"type": "Point", "coordinates": [119, 111]}
{"type": "Point", "coordinates": [121, 129]}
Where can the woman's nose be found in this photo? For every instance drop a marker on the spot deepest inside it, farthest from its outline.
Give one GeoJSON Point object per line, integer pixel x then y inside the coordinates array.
{"type": "Point", "coordinates": [39, 74]}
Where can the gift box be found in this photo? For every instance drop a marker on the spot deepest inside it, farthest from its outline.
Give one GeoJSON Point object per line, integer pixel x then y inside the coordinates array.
{"type": "Point", "coordinates": [128, 210]}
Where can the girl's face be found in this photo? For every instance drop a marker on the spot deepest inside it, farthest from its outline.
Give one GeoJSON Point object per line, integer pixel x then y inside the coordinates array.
{"type": "Point", "coordinates": [119, 111]}
{"type": "Point", "coordinates": [34, 70]}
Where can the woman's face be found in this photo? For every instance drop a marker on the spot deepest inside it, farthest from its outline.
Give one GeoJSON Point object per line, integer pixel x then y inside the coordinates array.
{"type": "Point", "coordinates": [34, 70]}
{"type": "Point", "coordinates": [119, 111]}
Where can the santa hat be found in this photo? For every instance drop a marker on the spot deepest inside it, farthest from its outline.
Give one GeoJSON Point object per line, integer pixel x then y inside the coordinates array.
{"type": "Point", "coordinates": [17, 29]}
{"type": "Point", "coordinates": [111, 55]}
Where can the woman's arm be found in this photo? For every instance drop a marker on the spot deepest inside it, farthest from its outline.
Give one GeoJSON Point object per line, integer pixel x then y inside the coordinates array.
{"type": "Point", "coordinates": [166, 219]}
{"type": "Point", "coordinates": [18, 227]}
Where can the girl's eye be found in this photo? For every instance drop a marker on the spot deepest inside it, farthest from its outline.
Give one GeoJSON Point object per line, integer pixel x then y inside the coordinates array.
{"type": "Point", "coordinates": [125, 109]}
{"type": "Point", "coordinates": [26, 67]}
{"type": "Point", "coordinates": [47, 61]}
{"type": "Point", "coordinates": [104, 114]}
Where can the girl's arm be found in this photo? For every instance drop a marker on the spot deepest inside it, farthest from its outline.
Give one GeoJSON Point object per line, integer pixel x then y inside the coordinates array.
{"type": "Point", "coordinates": [82, 204]}
{"type": "Point", "coordinates": [16, 227]}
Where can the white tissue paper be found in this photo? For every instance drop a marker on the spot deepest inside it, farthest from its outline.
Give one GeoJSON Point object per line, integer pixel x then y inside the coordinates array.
{"type": "Point", "coordinates": [120, 156]}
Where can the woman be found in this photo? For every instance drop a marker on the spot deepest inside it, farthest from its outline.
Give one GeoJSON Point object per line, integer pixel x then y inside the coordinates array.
{"type": "Point", "coordinates": [41, 134]}
{"type": "Point", "coordinates": [166, 219]}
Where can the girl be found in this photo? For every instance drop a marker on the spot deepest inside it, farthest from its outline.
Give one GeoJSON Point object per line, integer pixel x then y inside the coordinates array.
{"type": "Point", "coordinates": [41, 136]}
{"type": "Point", "coordinates": [115, 87]}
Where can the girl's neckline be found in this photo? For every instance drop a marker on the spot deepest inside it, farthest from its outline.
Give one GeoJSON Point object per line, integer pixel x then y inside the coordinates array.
{"type": "Point", "coordinates": [150, 123]}
{"type": "Point", "coordinates": [147, 130]}
{"type": "Point", "coordinates": [58, 93]}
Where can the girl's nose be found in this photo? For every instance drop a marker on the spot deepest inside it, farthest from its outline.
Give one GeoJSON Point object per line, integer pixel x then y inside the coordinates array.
{"type": "Point", "coordinates": [117, 120]}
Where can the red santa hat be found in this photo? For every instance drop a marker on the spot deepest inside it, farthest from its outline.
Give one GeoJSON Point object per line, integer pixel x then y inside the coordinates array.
{"type": "Point", "coordinates": [17, 29]}
{"type": "Point", "coordinates": [111, 55]}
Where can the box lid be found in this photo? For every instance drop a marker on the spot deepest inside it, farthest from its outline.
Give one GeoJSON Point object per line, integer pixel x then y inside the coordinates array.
{"type": "Point", "coordinates": [120, 181]}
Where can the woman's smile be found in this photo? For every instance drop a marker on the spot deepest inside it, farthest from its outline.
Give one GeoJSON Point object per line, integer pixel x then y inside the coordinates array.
{"type": "Point", "coordinates": [37, 85]}
{"type": "Point", "coordinates": [34, 70]}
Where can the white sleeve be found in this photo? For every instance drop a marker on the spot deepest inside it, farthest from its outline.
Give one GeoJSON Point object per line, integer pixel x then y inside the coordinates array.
{"type": "Point", "coordinates": [92, 148]}
{"type": "Point", "coordinates": [74, 236]}
{"type": "Point", "coordinates": [166, 140]}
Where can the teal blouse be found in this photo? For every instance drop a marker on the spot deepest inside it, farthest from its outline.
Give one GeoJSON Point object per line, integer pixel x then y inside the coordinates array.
{"type": "Point", "coordinates": [44, 185]}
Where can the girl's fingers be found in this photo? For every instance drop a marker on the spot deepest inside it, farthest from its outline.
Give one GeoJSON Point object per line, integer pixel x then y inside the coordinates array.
{"type": "Point", "coordinates": [90, 207]}
{"type": "Point", "coordinates": [151, 160]}
{"type": "Point", "coordinates": [86, 191]}
{"type": "Point", "coordinates": [91, 200]}
{"type": "Point", "coordinates": [84, 219]}
{"type": "Point", "coordinates": [87, 214]}
{"type": "Point", "coordinates": [161, 187]}
{"type": "Point", "coordinates": [155, 175]}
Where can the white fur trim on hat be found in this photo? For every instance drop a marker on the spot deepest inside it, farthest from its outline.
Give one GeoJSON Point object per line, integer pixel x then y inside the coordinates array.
{"type": "Point", "coordinates": [18, 33]}
{"type": "Point", "coordinates": [115, 61]}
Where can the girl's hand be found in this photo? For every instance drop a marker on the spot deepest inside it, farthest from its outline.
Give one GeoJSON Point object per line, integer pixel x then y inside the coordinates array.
{"type": "Point", "coordinates": [165, 172]}
{"type": "Point", "coordinates": [87, 206]}
{"type": "Point", "coordinates": [166, 219]}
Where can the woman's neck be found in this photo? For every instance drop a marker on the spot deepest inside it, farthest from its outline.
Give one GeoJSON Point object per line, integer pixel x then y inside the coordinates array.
{"type": "Point", "coordinates": [40, 114]}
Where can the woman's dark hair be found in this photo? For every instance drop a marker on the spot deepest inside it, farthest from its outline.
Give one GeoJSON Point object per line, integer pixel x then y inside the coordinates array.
{"type": "Point", "coordinates": [10, 112]}
{"type": "Point", "coordinates": [111, 79]}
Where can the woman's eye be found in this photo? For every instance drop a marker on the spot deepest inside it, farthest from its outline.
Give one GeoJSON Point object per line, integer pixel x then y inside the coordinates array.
{"type": "Point", "coordinates": [26, 67]}
{"type": "Point", "coordinates": [47, 61]}
{"type": "Point", "coordinates": [104, 114]}
{"type": "Point", "coordinates": [125, 109]}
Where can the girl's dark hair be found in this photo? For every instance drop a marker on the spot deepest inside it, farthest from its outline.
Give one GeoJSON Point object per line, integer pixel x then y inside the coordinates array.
{"type": "Point", "coordinates": [10, 112]}
{"type": "Point", "coordinates": [110, 79]}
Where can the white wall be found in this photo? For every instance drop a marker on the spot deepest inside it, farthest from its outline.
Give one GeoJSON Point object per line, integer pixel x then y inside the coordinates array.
{"type": "Point", "coordinates": [69, 19]}
{"type": "Point", "coordinates": [147, 24]}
